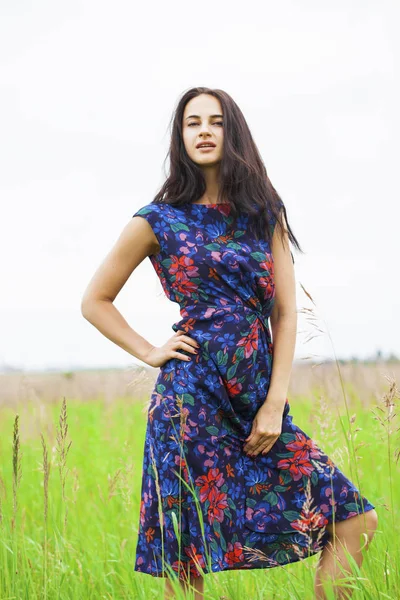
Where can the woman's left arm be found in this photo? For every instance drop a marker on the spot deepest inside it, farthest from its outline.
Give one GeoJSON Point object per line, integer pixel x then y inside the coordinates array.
{"type": "Point", "coordinates": [267, 424]}
{"type": "Point", "coordinates": [283, 319]}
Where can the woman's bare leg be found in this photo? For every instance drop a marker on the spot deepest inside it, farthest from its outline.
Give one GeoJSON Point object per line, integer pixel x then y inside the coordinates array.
{"type": "Point", "coordinates": [195, 582]}
{"type": "Point", "coordinates": [349, 534]}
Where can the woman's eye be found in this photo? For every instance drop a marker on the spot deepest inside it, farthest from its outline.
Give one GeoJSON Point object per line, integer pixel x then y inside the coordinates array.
{"type": "Point", "coordinates": [216, 123]}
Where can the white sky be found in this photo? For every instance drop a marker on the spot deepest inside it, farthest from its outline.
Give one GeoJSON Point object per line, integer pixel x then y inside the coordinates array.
{"type": "Point", "coordinates": [87, 90]}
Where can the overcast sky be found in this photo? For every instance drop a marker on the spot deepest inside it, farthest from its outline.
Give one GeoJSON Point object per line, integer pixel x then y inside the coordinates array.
{"type": "Point", "coordinates": [87, 90]}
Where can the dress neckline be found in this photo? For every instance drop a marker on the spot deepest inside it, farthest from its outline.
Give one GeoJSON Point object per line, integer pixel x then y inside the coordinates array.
{"type": "Point", "coordinates": [211, 205]}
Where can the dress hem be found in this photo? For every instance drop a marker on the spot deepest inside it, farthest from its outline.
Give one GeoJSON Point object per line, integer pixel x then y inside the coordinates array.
{"type": "Point", "coordinates": [338, 518]}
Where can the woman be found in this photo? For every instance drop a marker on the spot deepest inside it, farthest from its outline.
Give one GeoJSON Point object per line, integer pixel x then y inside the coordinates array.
{"type": "Point", "coordinates": [229, 481]}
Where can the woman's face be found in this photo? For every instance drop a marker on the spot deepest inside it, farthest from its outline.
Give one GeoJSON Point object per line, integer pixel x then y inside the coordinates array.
{"type": "Point", "coordinates": [202, 123]}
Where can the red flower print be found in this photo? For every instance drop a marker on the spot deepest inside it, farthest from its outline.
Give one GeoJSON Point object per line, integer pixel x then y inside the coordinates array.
{"type": "Point", "coordinates": [259, 487]}
{"type": "Point", "coordinates": [218, 503]}
{"type": "Point", "coordinates": [149, 533]}
{"type": "Point", "coordinates": [297, 465]}
{"type": "Point", "coordinates": [174, 501]}
{"type": "Point", "coordinates": [213, 274]}
{"type": "Point", "coordinates": [197, 559]}
{"type": "Point", "coordinates": [267, 265]}
{"type": "Point", "coordinates": [234, 553]}
{"type": "Point", "coordinates": [310, 522]}
{"type": "Point", "coordinates": [209, 482]}
{"type": "Point", "coordinates": [305, 445]}
{"type": "Point", "coordinates": [142, 511]}
{"type": "Point", "coordinates": [250, 342]}
{"type": "Point", "coordinates": [186, 287]}
{"type": "Point", "coordinates": [181, 568]}
{"type": "Point", "coordinates": [233, 386]}
{"type": "Point", "coordinates": [230, 472]}
{"type": "Point", "coordinates": [181, 462]}
{"type": "Point", "coordinates": [189, 324]}
{"type": "Point", "coordinates": [182, 267]}
{"type": "Point", "coordinates": [268, 286]}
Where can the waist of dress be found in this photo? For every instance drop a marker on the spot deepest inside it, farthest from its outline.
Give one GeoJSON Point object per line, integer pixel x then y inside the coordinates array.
{"type": "Point", "coordinates": [235, 311]}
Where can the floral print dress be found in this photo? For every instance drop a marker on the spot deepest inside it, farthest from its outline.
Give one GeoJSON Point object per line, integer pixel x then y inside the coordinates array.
{"type": "Point", "coordinates": [205, 505]}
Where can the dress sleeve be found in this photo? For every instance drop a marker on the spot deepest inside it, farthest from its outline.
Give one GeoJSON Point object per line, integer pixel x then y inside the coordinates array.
{"type": "Point", "coordinates": [151, 212]}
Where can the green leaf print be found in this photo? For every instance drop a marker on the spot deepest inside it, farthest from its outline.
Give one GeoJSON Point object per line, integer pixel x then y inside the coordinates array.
{"type": "Point", "coordinates": [231, 503]}
{"type": "Point", "coordinates": [352, 506]}
{"type": "Point", "coordinates": [285, 476]}
{"type": "Point", "coordinates": [179, 227]}
{"type": "Point", "coordinates": [239, 354]}
{"type": "Point", "coordinates": [281, 488]}
{"type": "Point", "coordinates": [287, 437]}
{"type": "Point", "coordinates": [212, 430]}
{"type": "Point", "coordinates": [258, 256]}
{"type": "Point", "coordinates": [222, 358]}
{"type": "Point", "coordinates": [188, 398]}
{"type": "Point", "coordinates": [291, 515]}
{"type": "Point", "coordinates": [272, 498]}
{"type": "Point", "coordinates": [231, 371]}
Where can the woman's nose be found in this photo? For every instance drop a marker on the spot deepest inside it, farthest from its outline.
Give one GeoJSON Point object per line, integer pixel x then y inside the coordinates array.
{"type": "Point", "coordinates": [204, 129]}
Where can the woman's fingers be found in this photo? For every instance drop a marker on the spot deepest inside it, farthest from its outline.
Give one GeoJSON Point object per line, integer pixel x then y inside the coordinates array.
{"type": "Point", "coordinates": [181, 335]}
{"type": "Point", "coordinates": [267, 448]}
{"type": "Point", "coordinates": [181, 341]}
{"type": "Point", "coordinates": [262, 445]}
{"type": "Point", "coordinates": [255, 440]}
{"type": "Point", "coordinates": [181, 345]}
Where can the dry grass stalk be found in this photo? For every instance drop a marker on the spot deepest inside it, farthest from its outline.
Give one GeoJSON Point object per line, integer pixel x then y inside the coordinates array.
{"type": "Point", "coordinates": [183, 414]}
{"type": "Point", "coordinates": [46, 474]}
{"type": "Point", "coordinates": [327, 428]}
{"type": "Point", "coordinates": [63, 449]}
{"type": "Point", "coordinates": [308, 522]}
{"type": "Point", "coordinates": [75, 484]}
{"type": "Point", "coordinates": [112, 484]}
{"type": "Point", "coordinates": [160, 504]}
{"type": "Point", "coordinates": [350, 434]}
{"type": "Point", "coordinates": [126, 479]}
{"type": "Point", "coordinates": [17, 470]}
{"type": "Point", "coordinates": [389, 406]}
{"type": "Point", "coordinates": [254, 555]}
{"type": "Point", "coordinates": [102, 498]}
{"type": "Point", "coordinates": [389, 414]}
{"type": "Point", "coordinates": [158, 489]}
{"type": "Point", "coordinates": [387, 421]}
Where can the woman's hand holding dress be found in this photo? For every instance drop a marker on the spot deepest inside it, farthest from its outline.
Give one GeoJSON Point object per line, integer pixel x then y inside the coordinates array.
{"type": "Point", "coordinates": [266, 428]}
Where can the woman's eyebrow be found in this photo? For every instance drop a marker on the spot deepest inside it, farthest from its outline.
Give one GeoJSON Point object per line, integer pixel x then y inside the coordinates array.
{"type": "Point", "coordinates": [198, 116]}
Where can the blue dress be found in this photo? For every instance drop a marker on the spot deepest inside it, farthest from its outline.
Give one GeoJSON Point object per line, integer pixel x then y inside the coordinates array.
{"type": "Point", "coordinates": [205, 505]}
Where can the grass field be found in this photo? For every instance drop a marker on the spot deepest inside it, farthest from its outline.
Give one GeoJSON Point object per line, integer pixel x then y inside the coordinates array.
{"type": "Point", "coordinates": [70, 478]}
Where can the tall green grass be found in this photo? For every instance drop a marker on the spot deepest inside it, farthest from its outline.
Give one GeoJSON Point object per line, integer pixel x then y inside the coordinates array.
{"type": "Point", "coordinates": [70, 477]}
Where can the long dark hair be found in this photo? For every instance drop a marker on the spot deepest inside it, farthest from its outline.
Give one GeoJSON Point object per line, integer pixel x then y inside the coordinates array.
{"type": "Point", "coordinates": [243, 178]}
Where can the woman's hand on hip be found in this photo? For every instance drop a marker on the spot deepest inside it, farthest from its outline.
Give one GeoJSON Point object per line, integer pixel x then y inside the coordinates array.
{"type": "Point", "coordinates": [158, 356]}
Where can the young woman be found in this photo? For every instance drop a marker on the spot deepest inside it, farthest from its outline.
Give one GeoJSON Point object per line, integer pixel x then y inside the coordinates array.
{"type": "Point", "coordinates": [229, 481]}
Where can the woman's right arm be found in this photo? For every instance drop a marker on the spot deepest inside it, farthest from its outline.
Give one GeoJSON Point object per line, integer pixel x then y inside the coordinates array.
{"type": "Point", "coordinates": [135, 243]}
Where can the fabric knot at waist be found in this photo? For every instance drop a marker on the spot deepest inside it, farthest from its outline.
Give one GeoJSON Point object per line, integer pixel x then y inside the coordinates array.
{"type": "Point", "coordinates": [224, 312]}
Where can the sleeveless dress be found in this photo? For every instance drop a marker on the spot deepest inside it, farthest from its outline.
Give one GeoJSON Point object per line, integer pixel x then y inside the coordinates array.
{"type": "Point", "coordinates": [205, 503]}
